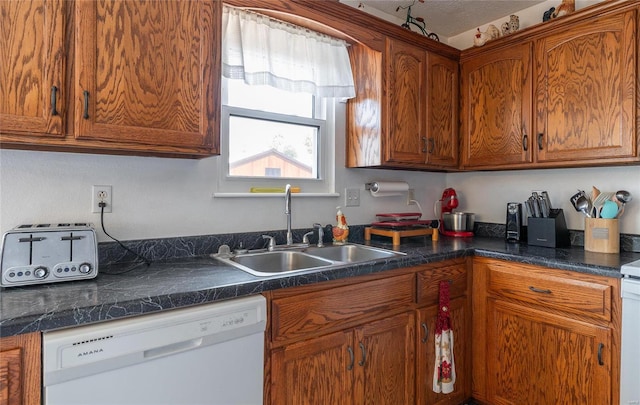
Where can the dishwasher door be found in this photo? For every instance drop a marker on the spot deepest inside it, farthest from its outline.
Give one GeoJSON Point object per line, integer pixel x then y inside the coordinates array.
{"type": "Point", "coordinates": [208, 354]}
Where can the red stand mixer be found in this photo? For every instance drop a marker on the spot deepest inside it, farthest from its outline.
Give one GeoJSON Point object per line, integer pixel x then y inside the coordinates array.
{"type": "Point", "coordinates": [448, 203]}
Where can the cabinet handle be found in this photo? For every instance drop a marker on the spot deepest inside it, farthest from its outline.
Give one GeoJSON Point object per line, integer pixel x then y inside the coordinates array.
{"type": "Point", "coordinates": [364, 355]}
{"type": "Point", "coordinates": [351, 357]}
{"type": "Point", "coordinates": [539, 290]}
{"type": "Point", "coordinates": [432, 145]}
{"type": "Point", "coordinates": [426, 332]}
{"type": "Point", "coordinates": [424, 144]}
{"type": "Point", "coordinates": [54, 100]}
{"type": "Point", "coordinates": [600, 347]}
{"type": "Point", "coordinates": [86, 105]}
{"type": "Point", "coordinates": [525, 139]}
{"type": "Point", "coordinates": [540, 141]}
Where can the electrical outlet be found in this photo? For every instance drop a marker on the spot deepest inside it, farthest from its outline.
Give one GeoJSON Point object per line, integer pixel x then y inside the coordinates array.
{"type": "Point", "coordinates": [411, 197]}
{"type": "Point", "coordinates": [101, 194]}
{"type": "Point", "coordinates": [351, 197]}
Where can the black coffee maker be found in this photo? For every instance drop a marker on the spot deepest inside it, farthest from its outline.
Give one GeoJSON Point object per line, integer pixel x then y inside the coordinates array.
{"type": "Point", "coordinates": [514, 229]}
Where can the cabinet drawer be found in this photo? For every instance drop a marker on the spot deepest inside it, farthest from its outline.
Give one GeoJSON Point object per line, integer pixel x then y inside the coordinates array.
{"type": "Point", "coordinates": [296, 316]}
{"type": "Point", "coordinates": [428, 282]}
{"type": "Point", "coordinates": [575, 293]}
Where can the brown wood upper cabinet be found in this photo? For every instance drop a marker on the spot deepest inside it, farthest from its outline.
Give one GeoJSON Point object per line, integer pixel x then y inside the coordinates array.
{"type": "Point", "coordinates": [32, 82]}
{"type": "Point", "coordinates": [146, 74]}
{"type": "Point", "coordinates": [496, 108]}
{"type": "Point", "coordinates": [418, 128]}
{"type": "Point", "coordinates": [118, 76]}
{"type": "Point", "coordinates": [577, 81]}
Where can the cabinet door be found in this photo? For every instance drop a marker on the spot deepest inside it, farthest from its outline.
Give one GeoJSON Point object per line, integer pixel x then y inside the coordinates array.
{"type": "Point", "coordinates": [496, 120]}
{"type": "Point", "coordinates": [586, 91]}
{"type": "Point", "coordinates": [146, 74]}
{"type": "Point", "coordinates": [425, 357]}
{"type": "Point", "coordinates": [442, 111]}
{"type": "Point", "coordinates": [32, 81]}
{"type": "Point", "coordinates": [318, 371]}
{"type": "Point", "coordinates": [535, 357]}
{"type": "Point", "coordinates": [20, 370]}
{"type": "Point", "coordinates": [385, 353]}
{"type": "Point", "coordinates": [405, 142]}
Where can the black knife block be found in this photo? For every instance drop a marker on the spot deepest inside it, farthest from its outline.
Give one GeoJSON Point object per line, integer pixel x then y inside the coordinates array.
{"type": "Point", "coordinates": [548, 232]}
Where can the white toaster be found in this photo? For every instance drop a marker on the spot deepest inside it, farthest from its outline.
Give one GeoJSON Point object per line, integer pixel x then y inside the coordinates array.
{"type": "Point", "coordinates": [46, 253]}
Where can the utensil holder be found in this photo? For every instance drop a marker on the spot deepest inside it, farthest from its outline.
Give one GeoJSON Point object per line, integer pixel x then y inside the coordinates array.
{"type": "Point", "coordinates": [601, 235]}
{"type": "Point", "coordinates": [548, 232]}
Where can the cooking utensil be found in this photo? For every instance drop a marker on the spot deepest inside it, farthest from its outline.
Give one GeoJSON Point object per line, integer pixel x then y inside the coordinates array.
{"type": "Point", "coordinates": [623, 196]}
{"type": "Point", "coordinates": [584, 205]}
{"type": "Point", "coordinates": [609, 210]}
{"type": "Point", "coordinates": [458, 221]}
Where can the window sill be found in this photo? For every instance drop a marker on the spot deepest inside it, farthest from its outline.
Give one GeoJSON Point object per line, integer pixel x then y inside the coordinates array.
{"type": "Point", "coordinates": [271, 195]}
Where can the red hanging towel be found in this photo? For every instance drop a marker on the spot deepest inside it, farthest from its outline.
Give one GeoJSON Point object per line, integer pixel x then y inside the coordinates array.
{"type": "Point", "coordinates": [444, 373]}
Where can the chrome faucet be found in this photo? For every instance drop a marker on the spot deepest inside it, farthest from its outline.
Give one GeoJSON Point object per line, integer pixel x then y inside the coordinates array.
{"type": "Point", "coordinates": [287, 211]}
{"type": "Point", "coordinates": [320, 234]}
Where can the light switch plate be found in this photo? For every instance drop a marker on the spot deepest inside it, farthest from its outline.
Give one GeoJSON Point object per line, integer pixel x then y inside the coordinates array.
{"type": "Point", "coordinates": [352, 197]}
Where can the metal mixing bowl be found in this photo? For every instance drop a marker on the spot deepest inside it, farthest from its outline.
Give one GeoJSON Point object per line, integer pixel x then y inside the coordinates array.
{"type": "Point", "coordinates": [459, 221]}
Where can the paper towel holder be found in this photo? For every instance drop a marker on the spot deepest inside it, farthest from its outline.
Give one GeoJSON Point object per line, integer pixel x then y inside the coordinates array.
{"type": "Point", "coordinates": [373, 186]}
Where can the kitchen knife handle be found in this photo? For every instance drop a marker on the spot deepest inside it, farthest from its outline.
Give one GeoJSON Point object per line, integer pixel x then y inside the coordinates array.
{"type": "Point", "coordinates": [54, 100]}
{"type": "Point", "coordinates": [86, 105]}
{"type": "Point", "coordinates": [540, 136]}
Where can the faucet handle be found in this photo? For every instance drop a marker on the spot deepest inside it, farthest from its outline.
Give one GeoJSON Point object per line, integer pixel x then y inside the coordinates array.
{"type": "Point", "coordinates": [305, 237]}
{"type": "Point", "coordinates": [272, 242]}
{"type": "Point", "coordinates": [320, 234]}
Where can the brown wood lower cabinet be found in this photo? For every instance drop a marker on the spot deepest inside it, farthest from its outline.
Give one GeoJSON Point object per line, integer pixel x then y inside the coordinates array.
{"type": "Point", "coordinates": [550, 336]}
{"type": "Point", "coordinates": [20, 369]}
{"type": "Point", "coordinates": [371, 364]}
{"type": "Point", "coordinates": [360, 341]}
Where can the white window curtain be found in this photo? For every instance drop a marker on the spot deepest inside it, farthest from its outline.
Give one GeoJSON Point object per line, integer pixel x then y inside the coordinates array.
{"type": "Point", "coordinates": [264, 51]}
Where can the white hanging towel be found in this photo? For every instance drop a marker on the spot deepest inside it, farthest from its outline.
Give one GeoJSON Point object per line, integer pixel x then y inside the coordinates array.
{"type": "Point", "coordinates": [444, 373]}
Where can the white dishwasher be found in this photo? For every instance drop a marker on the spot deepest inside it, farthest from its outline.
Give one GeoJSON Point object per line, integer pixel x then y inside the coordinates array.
{"type": "Point", "coordinates": [630, 352]}
{"type": "Point", "coordinates": [209, 354]}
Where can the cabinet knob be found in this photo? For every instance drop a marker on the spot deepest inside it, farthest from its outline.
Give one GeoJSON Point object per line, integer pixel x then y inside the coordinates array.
{"type": "Point", "coordinates": [425, 328]}
{"type": "Point", "coordinates": [86, 105]}
{"type": "Point", "coordinates": [364, 355]}
{"type": "Point", "coordinates": [432, 145]}
{"type": "Point", "coordinates": [540, 136]}
{"type": "Point", "coordinates": [600, 347]}
{"type": "Point", "coordinates": [525, 139]}
{"type": "Point", "coordinates": [351, 358]}
{"type": "Point", "coordinates": [54, 100]}
{"type": "Point", "coordinates": [424, 144]}
{"type": "Point", "coordinates": [539, 290]}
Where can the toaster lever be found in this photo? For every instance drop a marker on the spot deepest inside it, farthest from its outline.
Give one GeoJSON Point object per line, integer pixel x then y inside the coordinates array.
{"type": "Point", "coordinates": [32, 239]}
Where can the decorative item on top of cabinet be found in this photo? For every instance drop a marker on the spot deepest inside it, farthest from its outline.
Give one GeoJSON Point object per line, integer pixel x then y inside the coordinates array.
{"type": "Point", "coordinates": [146, 77]}
{"type": "Point", "coordinates": [492, 32]}
{"type": "Point", "coordinates": [33, 77]}
{"type": "Point", "coordinates": [417, 22]}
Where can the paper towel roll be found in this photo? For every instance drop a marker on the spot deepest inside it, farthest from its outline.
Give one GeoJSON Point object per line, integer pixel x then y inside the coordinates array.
{"type": "Point", "coordinates": [388, 188]}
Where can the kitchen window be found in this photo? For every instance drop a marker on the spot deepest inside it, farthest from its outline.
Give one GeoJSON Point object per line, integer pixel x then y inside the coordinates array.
{"type": "Point", "coordinates": [278, 104]}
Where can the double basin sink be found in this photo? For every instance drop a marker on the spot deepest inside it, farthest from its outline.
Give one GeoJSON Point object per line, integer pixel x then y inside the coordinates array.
{"type": "Point", "coordinates": [269, 263]}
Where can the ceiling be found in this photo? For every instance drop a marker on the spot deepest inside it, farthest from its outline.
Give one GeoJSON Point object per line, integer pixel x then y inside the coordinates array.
{"type": "Point", "coordinates": [447, 18]}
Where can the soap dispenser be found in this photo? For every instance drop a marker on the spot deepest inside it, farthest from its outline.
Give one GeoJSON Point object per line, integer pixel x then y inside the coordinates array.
{"type": "Point", "coordinates": [341, 230]}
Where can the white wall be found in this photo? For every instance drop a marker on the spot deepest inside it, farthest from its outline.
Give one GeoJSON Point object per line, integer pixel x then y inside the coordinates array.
{"type": "Point", "coordinates": [157, 197]}
{"type": "Point", "coordinates": [528, 17]}
{"type": "Point", "coordinates": [487, 193]}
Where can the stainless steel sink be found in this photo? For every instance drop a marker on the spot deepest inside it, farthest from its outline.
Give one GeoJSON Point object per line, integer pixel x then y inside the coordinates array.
{"type": "Point", "coordinates": [311, 258]}
{"type": "Point", "coordinates": [269, 263]}
{"type": "Point", "coordinates": [351, 253]}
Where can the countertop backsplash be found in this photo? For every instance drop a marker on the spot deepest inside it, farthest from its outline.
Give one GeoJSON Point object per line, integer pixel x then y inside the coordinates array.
{"type": "Point", "coordinates": [192, 246]}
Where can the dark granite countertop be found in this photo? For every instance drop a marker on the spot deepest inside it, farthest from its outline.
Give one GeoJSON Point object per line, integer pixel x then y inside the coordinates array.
{"type": "Point", "coordinates": [196, 280]}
